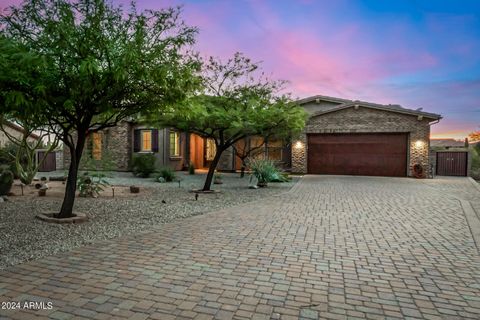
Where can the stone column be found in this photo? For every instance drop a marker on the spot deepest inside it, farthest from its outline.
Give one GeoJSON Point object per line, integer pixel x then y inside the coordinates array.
{"type": "Point", "coordinates": [299, 154]}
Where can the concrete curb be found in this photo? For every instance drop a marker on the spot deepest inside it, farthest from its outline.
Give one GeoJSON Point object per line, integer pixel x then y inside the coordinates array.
{"type": "Point", "coordinates": [472, 221]}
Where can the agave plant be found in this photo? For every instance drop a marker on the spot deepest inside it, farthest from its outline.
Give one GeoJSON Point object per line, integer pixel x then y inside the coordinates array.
{"type": "Point", "coordinates": [265, 171]}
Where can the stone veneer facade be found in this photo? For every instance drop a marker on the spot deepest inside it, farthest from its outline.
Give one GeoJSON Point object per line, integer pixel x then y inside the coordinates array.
{"type": "Point", "coordinates": [117, 141]}
{"type": "Point", "coordinates": [367, 120]}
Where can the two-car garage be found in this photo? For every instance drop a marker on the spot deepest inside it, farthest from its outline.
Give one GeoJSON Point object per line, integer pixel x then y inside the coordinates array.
{"type": "Point", "coordinates": [346, 137]}
{"type": "Point", "coordinates": [366, 154]}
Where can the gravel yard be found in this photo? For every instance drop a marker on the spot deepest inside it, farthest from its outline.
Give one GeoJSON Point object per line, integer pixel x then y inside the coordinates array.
{"type": "Point", "coordinates": [23, 238]}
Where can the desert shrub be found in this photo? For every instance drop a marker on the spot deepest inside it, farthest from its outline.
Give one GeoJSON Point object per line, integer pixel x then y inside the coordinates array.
{"type": "Point", "coordinates": [90, 184]}
{"type": "Point", "coordinates": [217, 178]}
{"type": "Point", "coordinates": [143, 165]}
{"type": "Point", "coordinates": [475, 153]}
{"type": "Point", "coordinates": [6, 180]}
{"type": "Point", "coordinates": [106, 163]}
{"type": "Point", "coordinates": [265, 171]}
{"type": "Point", "coordinates": [475, 173]}
{"type": "Point", "coordinates": [165, 173]}
{"type": "Point", "coordinates": [191, 169]}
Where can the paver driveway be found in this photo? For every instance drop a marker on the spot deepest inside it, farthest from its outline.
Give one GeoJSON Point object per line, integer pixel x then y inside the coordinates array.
{"type": "Point", "coordinates": [333, 247]}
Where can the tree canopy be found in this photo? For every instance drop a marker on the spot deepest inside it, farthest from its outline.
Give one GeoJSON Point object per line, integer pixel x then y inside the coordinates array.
{"type": "Point", "coordinates": [84, 65]}
{"type": "Point", "coordinates": [237, 101]}
{"type": "Point", "coordinates": [474, 136]}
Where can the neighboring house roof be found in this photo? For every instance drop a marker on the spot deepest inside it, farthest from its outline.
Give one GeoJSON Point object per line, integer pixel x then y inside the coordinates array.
{"type": "Point", "coordinates": [18, 128]}
{"type": "Point", "coordinates": [345, 103]}
{"type": "Point", "coordinates": [446, 143]}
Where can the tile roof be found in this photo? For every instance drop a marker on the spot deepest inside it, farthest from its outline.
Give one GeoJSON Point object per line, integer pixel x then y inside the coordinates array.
{"type": "Point", "coordinates": [345, 103]}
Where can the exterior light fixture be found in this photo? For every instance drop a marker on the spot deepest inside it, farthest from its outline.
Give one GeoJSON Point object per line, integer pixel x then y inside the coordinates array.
{"type": "Point", "coordinates": [419, 143]}
{"type": "Point", "coordinates": [298, 145]}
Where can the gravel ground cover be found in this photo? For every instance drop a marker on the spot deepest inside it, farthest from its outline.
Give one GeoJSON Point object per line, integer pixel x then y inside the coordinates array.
{"type": "Point", "coordinates": [23, 238]}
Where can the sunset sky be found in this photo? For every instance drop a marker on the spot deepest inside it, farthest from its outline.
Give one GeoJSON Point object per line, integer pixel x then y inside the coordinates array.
{"type": "Point", "coordinates": [409, 52]}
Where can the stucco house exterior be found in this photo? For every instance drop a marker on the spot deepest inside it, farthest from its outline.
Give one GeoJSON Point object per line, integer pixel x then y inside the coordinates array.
{"type": "Point", "coordinates": [171, 147]}
{"type": "Point", "coordinates": [361, 138]}
{"type": "Point", "coordinates": [341, 137]}
{"type": "Point", "coordinates": [16, 131]}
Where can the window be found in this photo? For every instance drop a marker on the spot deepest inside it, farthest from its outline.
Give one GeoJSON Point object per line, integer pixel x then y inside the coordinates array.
{"type": "Point", "coordinates": [174, 144]}
{"type": "Point", "coordinates": [146, 140]}
{"type": "Point", "coordinates": [97, 146]}
{"type": "Point", "coordinates": [274, 150]}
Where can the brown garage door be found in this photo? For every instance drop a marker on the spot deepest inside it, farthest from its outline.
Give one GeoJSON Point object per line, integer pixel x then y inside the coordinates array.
{"type": "Point", "coordinates": [379, 154]}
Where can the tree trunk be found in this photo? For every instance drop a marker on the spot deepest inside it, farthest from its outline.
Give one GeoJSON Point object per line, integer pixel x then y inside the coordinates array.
{"type": "Point", "coordinates": [186, 162]}
{"type": "Point", "coordinates": [71, 187]}
{"type": "Point", "coordinates": [242, 170]}
{"type": "Point", "coordinates": [211, 169]}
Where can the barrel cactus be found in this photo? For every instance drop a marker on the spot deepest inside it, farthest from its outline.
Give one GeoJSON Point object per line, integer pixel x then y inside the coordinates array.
{"type": "Point", "coordinates": [6, 181]}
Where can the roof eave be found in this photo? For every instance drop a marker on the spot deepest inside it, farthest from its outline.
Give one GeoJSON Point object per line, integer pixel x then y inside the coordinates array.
{"type": "Point", "coordinates": [426, 115]}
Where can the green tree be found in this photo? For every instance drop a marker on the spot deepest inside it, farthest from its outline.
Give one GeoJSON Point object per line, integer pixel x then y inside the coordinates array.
{"type": "Point", "coordinates": [247, 148]}
{"type": "Point", "coordinates": [91, 65]}
{"type": "Point", "coordinates": [237, 101]}
{"type": "Point", "coordinates": [474, 136]}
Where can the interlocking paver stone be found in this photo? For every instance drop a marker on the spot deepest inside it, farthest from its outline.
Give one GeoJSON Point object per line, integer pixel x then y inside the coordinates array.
{"type": "Point", "coordinates": [331, 248]}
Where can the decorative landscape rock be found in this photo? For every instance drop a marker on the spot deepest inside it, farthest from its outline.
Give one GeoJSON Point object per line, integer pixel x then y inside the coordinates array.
{"type": "Point", "coordinates": [29, 239]}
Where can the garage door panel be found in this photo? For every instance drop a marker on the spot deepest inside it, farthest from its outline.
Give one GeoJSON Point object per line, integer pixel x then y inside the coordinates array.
{"type": "Point", "coordinates": [358, 154]}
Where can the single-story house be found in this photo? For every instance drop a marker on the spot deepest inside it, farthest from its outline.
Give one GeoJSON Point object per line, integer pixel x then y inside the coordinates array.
{"type": "Point", "coordinates": [447, 143]}
{"type": "Point", "coordinates": [341, 137]}
{"type": "Point", "coordinates": [349, 137]}
{"type": "Point", "coordinates": [171, 147]}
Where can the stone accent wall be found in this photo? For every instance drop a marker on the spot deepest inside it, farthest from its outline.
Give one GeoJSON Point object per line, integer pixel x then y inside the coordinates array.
{"type": "Point", "coordinates": [116, 143]}
{"type": "Point", "coordinates": [226, 160]}
{"type": "Point", "coordinates": [364, 120]}
{"type": "Point", "coordinates": [299, 154]}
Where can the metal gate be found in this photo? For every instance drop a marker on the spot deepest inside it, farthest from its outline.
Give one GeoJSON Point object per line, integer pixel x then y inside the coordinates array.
{"type": "Point", "coordinates": [452, 163]}
{"type": "Point", "coordinates": [50, 162]}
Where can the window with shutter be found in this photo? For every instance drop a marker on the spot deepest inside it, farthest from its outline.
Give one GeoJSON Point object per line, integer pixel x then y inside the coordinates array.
{"type": "Point", "coordinates": [174, 143]}
{"type": "Point", "coordinates": [146, 140]}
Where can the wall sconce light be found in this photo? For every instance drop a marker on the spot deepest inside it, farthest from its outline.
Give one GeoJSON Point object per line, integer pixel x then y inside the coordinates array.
{"type": "Point", "coordinates": [419, 144]}
{"type": "Point", "coordinates": [298, 145]}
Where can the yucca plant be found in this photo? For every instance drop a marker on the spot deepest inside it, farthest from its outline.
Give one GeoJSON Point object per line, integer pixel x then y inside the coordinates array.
{"type": "Point", "coordinates": [265, 171]}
